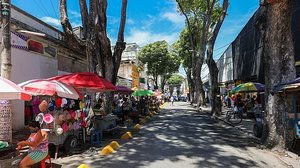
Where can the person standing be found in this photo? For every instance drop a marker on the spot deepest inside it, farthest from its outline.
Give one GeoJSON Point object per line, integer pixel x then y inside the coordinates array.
{"type": "Point", "coordinates": [172, 100]}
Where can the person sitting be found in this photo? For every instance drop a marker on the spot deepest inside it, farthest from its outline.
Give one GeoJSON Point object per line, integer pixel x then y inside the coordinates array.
{"type": "Point", "coordinates": [38, 143]}
{"type": "Point", "coordinates": [238, 104]}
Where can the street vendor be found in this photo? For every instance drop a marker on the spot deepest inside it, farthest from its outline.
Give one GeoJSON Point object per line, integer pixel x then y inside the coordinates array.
{"type": "Point", "coordinates": [38, 143]}
{"type": "Point", "coordinates": [99, 108]}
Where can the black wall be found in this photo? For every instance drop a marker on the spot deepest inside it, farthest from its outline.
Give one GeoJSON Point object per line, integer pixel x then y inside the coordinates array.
{"type": "Point", "coordinates": [296, 32]}
{"type": "Point", "coordinates": [247, 52]}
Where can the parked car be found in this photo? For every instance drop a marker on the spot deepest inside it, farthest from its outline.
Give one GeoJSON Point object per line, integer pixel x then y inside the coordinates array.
{"type": "Point", "coordinates": [182, 98]}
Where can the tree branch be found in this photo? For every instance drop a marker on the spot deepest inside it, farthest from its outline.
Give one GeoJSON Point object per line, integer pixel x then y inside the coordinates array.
{"type": "Point", "coordinates": [219, 23]}
{"type": "Point", "coordinates": [72, 40]}
{"type": "Point", "coordinates": [123, 21]}
{"type": "Point", "coordinates": [84, 16]}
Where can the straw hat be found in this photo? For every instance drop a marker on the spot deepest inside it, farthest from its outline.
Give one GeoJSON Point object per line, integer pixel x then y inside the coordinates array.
{"type": "Point", "coordinates": [43, 106]}
{"type": "Point", "coordinates": [76, 125]}
{"type": "Point", "coordinates": [58, 102]}
{"type": "Point", "coordinates": [65, 127]}
{"type": "Point", "coordinates": [64, 102]}
{"type": "Point", "coordinates": [40, 118]}
{"type": "Point", "coordinates": [48, 118]}
{"type": "Point", "coordinates": [72, 113]}
{"type": "Point", "coordinates": [58, 130]}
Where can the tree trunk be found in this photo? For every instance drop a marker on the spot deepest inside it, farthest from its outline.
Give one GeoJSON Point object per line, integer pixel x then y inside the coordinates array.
{"type": "Point", "coordinates": [199, 92]}
{"type": "Point", "coordinates": [212, 66]}
{"type": "Point", "coordinates": [279, 68]}
{"type": "Point", "coordinates": [215, 90]}
{"type": "Point", "coordinates": [190, 84]}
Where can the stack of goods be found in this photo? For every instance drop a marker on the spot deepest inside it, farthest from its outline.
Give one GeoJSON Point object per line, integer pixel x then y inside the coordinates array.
{"type": "Point", "coordinates": [61, 115]}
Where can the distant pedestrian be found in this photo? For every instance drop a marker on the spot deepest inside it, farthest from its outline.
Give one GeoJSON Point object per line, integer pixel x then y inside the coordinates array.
{"type": "Point", "coordinates": [172, 100]}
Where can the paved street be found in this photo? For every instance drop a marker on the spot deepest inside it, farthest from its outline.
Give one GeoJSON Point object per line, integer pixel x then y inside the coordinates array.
{"type": "Point", "coordinates": [181, 137]}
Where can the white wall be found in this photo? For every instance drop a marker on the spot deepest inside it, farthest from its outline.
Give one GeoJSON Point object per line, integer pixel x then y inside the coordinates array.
{"type": "Point", "coordinates": [26, 66]}
{"type": "Point", "coordinates": [33, 23]}
{"type": "Point", "coordinates": [204, 73]}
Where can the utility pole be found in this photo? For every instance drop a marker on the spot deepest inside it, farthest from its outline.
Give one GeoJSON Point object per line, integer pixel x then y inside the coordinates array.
{"type": "Point", "coordinates": [5, 42]}
{"type": "Point", "coordinates": [5, 109]}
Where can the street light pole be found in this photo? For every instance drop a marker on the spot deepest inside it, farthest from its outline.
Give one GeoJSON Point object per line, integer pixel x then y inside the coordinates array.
{"type": "Point", "coordinates": [5, 42]}
{"type": "Point", "coordinates": [5, 72]}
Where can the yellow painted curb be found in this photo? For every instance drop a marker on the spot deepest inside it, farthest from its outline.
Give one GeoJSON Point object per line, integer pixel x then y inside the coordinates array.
{"type": "Point", "coordinates": [163, 106]}
{"type": "Point", "coordinates": [107, 150]}
{"type": "Point", "coordinates": [83, 166]}
{"type": "Point", "coordinates": [143, 121]}
{"type": "Point", "coordinates": [137, 127]}
{"type": "Point", "coordinates": [147, 118]}
{"type": "Point", "coordinates": [114, 144]}
{"type": "Point", "coordinates": [126, 136]}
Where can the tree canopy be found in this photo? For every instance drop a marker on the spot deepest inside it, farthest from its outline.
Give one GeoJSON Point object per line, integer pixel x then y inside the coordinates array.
{"type": "Point", "coordinates": [175, 79]}
{"type": "Point", "coordinates": [159, 59]}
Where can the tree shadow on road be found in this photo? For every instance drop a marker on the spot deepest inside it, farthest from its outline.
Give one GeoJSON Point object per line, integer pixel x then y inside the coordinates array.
{"type": "Point", "coordinates": [177, 136]}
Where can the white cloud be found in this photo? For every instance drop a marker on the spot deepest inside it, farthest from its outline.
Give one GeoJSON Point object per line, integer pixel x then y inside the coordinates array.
{"type": "Point", "coordinates": [74, 14]}
{"type": "Point", "coordinates": [174, 17]}
{"type": "Point", "coordinates": [130, 21]}
{"type": "Point", "coordinates": [56, 22]}
{"type": "Point", "coordinates": [52, 21]}
{"type": "Point", "coordinates": [143, 37]}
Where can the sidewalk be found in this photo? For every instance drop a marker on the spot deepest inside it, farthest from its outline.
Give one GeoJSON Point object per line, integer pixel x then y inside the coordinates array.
{"type": "Point", "coordinates": [289, 158]}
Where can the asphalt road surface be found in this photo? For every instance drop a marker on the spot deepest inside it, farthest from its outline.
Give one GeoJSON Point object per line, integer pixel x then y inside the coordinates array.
{"type": "Point", "coordinates": [181, 137]}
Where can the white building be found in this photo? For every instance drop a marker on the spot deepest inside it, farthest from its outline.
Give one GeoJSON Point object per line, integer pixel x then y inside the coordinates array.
{"type": "Point", "coordinates": [36, 57]}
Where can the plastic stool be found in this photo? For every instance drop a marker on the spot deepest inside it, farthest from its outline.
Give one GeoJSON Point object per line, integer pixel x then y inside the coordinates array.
{"type": "Point", "coordinates": [43, 162]}
{"type": "Point", "coordinates": [95, 137]}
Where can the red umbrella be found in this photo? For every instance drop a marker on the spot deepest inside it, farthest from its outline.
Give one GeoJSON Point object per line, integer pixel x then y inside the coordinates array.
{"type": "Point", "coordinates": [50, 87]}
{"type": "Point", "coordinates": [157, 93]}
{"type": "Point", "coordinates": [86, 80]}
{"type": "Point", "coordinates": [123, 89]}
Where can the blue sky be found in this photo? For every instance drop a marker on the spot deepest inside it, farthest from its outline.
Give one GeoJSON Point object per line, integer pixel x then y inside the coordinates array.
{"type": "Point", "coordinates": [147, 20]}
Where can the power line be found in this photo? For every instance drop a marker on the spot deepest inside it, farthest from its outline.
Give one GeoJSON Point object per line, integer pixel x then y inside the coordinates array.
{"type": "Point", "coordinates": [43, 8]}
{"type": "Point", "coordinates": [40, 8]}
{"type": "Point", "coordinates": [54, 10]}
{"type": "Point", "coordinates": [222, 46]}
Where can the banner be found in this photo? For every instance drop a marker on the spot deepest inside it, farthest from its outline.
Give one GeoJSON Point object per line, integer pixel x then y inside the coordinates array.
{"type": "Point", "coordinates": [135, 76]}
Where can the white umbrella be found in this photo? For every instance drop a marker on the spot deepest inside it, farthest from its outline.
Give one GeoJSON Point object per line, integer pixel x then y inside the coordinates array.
{"type": "Point", "coordinates": [11, 91]}
{"type": "Point", "coordinates": [50, 88]}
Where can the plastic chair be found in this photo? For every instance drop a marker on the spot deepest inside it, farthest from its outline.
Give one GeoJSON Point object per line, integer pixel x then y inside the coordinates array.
{"type": "Point", "coordinates": [95, 137]}
{"type": "Point", "coordinates": [43, 162]}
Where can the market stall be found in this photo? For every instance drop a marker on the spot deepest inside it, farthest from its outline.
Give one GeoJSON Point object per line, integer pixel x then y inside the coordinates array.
{"type": "Point", "coordinates": [291, 91]}
{"type": "Point", "coordinates": [9, 91]}
{"type": "Point", "coordinates": [57, 109]}
{"type": "Point", "coordinates": [89, 82]}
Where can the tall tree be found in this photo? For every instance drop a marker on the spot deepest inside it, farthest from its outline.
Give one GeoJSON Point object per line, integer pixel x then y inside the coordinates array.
{"type": "Point", "coordinates": [209, 15]}
{"type": "Point", "coordinates": [182, 47]}
{"type": "Point", "coordinates": [192, 10]}
{"type": "Point", "coordinates": [96, 44]}
{"type": "Point", "coordinates": [159, 60]}
{"type": "Point", "coordinates": [175, 81]}
{"type": "Point", "coordinates": [279, 67]}
{"type": "Point", "coordinates": [216, 17]}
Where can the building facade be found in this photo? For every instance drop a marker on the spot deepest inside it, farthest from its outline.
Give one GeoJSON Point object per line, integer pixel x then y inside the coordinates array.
{"type": "Point", "coordinates": [38, 52]}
